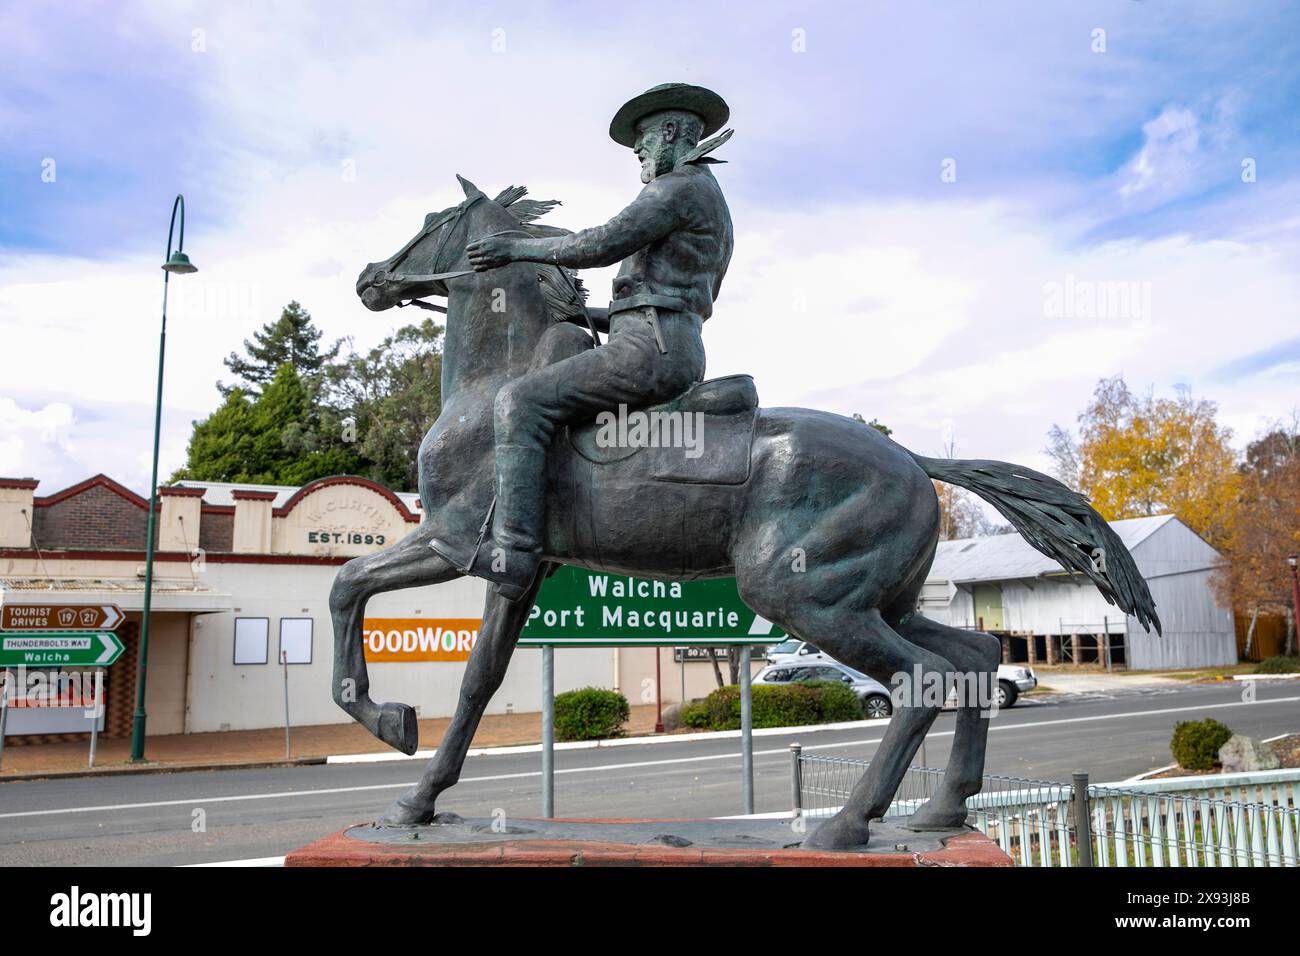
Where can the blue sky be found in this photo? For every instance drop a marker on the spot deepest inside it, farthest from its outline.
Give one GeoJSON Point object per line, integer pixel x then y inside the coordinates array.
{"type": "Point", "coordinates": [863, 280]}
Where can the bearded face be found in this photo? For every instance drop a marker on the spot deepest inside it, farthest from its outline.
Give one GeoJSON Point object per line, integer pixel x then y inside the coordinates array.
{"type": "Point", "coordinates": [654, 147]}
{"type": "Point", "coordinates": [661, 138]}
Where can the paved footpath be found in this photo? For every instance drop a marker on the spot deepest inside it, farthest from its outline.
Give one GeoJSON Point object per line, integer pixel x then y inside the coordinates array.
{"type": "Point", "coordinates": [262, 747]}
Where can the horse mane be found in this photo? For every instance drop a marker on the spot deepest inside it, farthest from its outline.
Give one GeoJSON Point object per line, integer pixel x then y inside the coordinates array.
{"type": "Point", "coordinates": [562, 289]}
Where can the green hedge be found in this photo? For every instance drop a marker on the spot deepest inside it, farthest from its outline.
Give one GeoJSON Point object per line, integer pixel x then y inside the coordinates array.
{"type": "Point", "coordinates": [791, 705]}
{"type": "Point", "coordinates": [591, 713]}
{"type": "Point", "coordinates": [1278, 665]}
{"type": "Point", "coordinates": [1196, 743]}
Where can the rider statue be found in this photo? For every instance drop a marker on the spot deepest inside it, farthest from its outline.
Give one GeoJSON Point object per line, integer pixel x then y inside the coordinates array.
{"type": "Point", "coordinates": [674, 242]}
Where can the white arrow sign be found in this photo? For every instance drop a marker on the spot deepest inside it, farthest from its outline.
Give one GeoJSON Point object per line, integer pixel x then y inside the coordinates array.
{"type": "Point", "coordinates": [111, 647]}
{"type": "Point", "coordinates": [113, 616]}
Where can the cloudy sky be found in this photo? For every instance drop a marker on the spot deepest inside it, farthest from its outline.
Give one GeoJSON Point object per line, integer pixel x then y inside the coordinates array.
{"type": "Point", "coordinates": [933, 201]}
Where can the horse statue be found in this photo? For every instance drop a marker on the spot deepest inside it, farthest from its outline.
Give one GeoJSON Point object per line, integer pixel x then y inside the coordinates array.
{"type": "Point", "coordinates": [828, 526]}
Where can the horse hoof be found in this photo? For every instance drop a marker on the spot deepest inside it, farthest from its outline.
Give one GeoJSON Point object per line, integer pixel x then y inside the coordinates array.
{"type": "Point", "coordinates": [931, 817]}
{"type": "Point", "coordinates": [398, 727]}
{"type": "Point", "coordinates": [838, 833]}
{"type": "Point", "coordinates": [408, 810]}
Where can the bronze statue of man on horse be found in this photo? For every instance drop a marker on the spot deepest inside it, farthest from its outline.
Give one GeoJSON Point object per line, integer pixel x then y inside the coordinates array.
{"type": "Point", "coordinates": [513, 480]}
{"type": "Point", "coordinates": [674, 242]}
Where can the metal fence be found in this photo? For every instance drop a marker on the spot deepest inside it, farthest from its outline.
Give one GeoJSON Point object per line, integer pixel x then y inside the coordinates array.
{"type": "Point", "coordinates": [1041, 823]}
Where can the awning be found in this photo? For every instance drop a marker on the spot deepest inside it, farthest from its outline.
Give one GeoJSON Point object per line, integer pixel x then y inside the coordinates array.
{"type": "Point", "coordinates": [127, 593]}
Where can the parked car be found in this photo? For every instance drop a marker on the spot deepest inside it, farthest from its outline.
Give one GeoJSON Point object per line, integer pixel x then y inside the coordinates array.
{"type": "Point", "coordinates": [1013, 679]}
{"type": "Point", "coordinates": [795, 651]}
{"type": "Point", "coordinates": [874, 696]}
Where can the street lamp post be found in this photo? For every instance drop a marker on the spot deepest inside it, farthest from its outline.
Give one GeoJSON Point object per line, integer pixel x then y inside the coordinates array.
{"type": "Point", "coordinates": [177, 262]}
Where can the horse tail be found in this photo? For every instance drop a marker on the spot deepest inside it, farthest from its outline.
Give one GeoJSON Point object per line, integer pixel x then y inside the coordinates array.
{"type": "Point", "coordinates": [1056, 521]}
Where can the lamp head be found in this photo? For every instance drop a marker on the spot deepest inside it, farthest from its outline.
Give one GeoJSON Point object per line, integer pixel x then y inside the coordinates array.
{"type": "Point", "coordinates": [179, 264]}
{"type": "Point", "coordinates": [1293, 560]}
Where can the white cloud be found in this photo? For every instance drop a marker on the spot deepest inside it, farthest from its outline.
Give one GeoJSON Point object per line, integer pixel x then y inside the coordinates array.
{"type": "Point", "coordinates": [32, 438]}
{"type": "Point", "coordinates": [927, 315]}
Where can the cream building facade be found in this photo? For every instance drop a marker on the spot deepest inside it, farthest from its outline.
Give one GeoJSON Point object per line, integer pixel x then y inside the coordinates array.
{"type": "Point", "coordinates": [242, 576]}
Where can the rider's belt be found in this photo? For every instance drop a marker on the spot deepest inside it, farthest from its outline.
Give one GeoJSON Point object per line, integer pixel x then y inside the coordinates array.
{"type": "Point", "coordinates": [649, 304]}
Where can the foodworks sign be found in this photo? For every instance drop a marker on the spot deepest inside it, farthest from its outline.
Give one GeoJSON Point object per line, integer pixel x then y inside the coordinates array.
{"type": "Point", "coordinates": [577, 607]}
{"type": "Point", "coordinates": [402, 640]}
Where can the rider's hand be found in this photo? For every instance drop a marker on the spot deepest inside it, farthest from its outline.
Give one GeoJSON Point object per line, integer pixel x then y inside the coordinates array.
{"type": "Point", "coordinates": [490, 252]}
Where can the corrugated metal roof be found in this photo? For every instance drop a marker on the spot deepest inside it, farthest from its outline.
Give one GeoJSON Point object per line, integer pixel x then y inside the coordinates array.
{"type": "Point", "coordinates": [124, 585]}
{"type": "Point", "coordinates": [169, 595]}
{"type": "Point", "coordinates": [222, 492]}
{"type": "Point", "coordinates": [1007, 557]}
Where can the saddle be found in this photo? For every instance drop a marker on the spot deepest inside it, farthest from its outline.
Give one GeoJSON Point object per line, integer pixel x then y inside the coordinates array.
{"type": "Point", "coordinates": [701, 437]}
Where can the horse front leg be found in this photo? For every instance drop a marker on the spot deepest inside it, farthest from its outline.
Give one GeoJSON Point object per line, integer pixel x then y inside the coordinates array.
{"type": "Point", "coordinates": [502, 622]}
{"type": "Point", "coordinates": [408, 564]}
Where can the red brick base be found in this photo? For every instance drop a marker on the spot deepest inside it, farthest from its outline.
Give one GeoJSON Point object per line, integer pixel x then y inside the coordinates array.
{"type": "Point", "coordinates": [338, 849]}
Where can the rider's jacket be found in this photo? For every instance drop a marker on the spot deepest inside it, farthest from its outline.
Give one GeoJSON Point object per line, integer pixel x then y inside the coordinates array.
{"type": "Point", "coordinates": [674, 240]}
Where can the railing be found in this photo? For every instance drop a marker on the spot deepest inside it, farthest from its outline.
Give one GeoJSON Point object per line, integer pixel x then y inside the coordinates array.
{"type": "Point", "coordinates": [1147, 824]}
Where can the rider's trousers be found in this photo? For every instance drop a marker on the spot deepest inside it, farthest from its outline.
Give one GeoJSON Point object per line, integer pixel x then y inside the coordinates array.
{"type": "Point", "coordinates": [628, 368]}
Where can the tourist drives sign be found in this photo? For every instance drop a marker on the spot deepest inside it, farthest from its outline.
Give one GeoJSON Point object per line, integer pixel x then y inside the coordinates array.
{"type": "Point", "coordinates": [37, 634]}
{"type": "Point", "coordinates": [34, 616]}
{"type": "Point", "coordinates": [577, 608]}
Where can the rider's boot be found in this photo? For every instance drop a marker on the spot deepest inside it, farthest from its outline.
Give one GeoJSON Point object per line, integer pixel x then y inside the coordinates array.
{"type": "Point", "coordinates": [511, 555]}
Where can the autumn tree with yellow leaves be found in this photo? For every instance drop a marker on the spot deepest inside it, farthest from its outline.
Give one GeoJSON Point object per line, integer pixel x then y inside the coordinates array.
{"type": "Point", "coordinates": [1142, 455]}
{"type": "Point", "coordinates": [1265, 529]}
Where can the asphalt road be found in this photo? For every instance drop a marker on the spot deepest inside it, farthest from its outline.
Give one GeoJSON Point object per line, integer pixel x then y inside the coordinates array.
{"type": "Point", "coordinates": [152, 819]}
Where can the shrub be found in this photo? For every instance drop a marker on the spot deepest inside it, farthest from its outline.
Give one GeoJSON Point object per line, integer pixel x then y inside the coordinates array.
{"type": "Point", "coordinates": [1196, 743]}
{"type": "Point", "coordinates": [790, 705]}
{"type": "Point", "coordinates": [591, 713]}
{"type": "Point", "coordinates": [839, 703]}
{"type": "Point", "coordinates": [1278, 665]}
{"type": "Point", "coordinates": [695, 714]}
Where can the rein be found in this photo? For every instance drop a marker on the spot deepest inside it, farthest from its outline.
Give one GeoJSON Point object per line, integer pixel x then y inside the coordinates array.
{"type": "Point", "coordinates": [384, 276]}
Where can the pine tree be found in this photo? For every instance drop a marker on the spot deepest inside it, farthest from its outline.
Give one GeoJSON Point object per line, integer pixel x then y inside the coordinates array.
{"type": "Point", "coordinates": [284, 437]}
{"type": "Point", "coordinates": [292, 339]}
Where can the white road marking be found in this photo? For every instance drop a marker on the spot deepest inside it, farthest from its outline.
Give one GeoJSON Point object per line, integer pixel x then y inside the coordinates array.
{"type": "Point", "coordinates": [279, 795]}
{"type": "Point", "coordinates": [256, 861]}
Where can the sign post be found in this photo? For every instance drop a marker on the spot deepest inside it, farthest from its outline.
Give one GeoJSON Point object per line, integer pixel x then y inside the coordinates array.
{"type": "Point", "coordinates": [284, 663]}
{"type": "Point", "coordinates": [95, 713]}
{"type": "Point", "coordinates": [581, 608]}
{"type": "Point", "coordinates": [4, 711]}
{"type": "Point", "coordinates": [548, 731]}
{"type": "Point", "coordinates": [36, 634]}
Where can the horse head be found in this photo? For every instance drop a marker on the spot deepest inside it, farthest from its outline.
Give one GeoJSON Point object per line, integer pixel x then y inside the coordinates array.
{"type": "Point", "coordinates": [433, 255]}
{"type": "Point", "coordinates": [496, 318]}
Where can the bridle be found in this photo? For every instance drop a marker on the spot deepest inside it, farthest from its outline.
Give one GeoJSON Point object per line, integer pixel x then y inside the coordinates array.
{"type": "Point", "coordinates": [385, 276]}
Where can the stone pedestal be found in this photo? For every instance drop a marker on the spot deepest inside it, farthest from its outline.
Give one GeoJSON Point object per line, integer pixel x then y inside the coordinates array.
{"type": "Point", "coordinates": [528, 842]}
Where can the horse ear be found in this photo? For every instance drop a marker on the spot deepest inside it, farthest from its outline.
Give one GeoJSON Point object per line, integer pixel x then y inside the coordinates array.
{"type": "Point", "coordinates": [470, 189]}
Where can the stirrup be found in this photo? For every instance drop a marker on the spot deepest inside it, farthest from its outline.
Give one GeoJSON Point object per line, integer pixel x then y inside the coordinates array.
{"type": "Point", "coordinates": [444, 550]}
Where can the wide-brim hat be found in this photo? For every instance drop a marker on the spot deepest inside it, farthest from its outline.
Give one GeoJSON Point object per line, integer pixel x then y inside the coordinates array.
{"type": "Point", "coordinates": [706, 104]}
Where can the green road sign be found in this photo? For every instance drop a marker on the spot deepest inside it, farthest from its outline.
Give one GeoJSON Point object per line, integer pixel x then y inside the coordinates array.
{"type": "Point", "coordinates": [59, 648]}
{"type": "Point", "coordinates": [577, 607]}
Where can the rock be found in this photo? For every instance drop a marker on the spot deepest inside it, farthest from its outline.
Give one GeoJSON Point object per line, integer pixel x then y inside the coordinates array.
{"type": "Point", "coordinates": [1244, 754]}
{"type": "Point", "coordinates": [672, 717]}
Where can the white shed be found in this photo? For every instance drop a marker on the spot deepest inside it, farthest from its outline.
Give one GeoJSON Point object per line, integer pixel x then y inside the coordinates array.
{"type": "Point", "coordinates": [1002, 585]}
